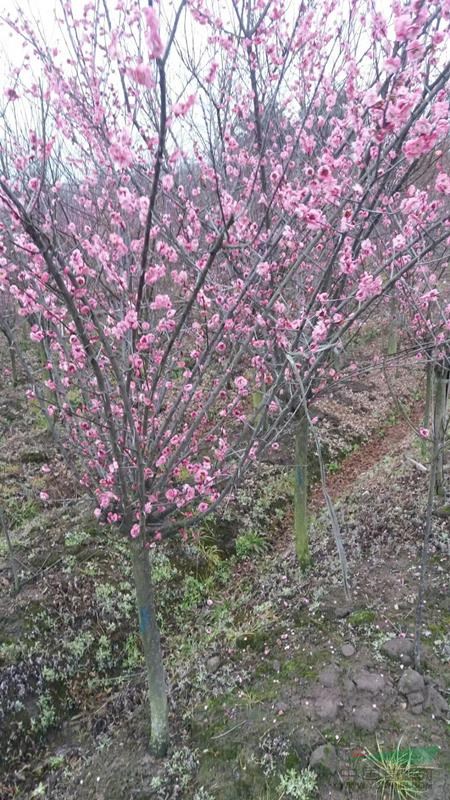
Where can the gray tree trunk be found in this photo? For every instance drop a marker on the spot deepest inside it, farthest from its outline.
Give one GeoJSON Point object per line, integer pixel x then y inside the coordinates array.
{"type": "Point", "coordinates": [12, 355]}
{"type": "Point", "coordinates": [257, 400]}
{"type": "Point", "coordinates": [12, 560]}
{"type": "Point", "coordinates": [393, 327]}
{"type": "Point", "coordinates": [423, 580]}
{"type": "Point", "coordinates": [441, 377]}
{"type": "Point", "coordinates": [301, 529]}
{"type": "Point", "coordinates": [150, 636]}
{"type": "Point", "coordinates": [428, 405]}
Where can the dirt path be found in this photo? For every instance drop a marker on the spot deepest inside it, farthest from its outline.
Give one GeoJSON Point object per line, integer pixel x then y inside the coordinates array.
{"type": "Point", "coordinates": [366, 457]}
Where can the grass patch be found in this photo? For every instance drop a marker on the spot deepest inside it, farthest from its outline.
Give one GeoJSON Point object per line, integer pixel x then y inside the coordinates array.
{"type": "Point", "coordinates": [400, 774]}
{"type": "Point", "coordinates": [362, 618]}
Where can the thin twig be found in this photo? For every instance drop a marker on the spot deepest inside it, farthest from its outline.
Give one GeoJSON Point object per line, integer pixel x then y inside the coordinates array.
{"type": "Point", "coordinates": [230, 730]}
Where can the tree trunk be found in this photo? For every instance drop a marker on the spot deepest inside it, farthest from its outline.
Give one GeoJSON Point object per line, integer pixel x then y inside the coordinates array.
{"type": "Point", "coordinates": [428, 405]}
{"type": "Point", "coordinates": [12, 560]}
{"type": "Point", "coordinates": [257, 399]}
{"type": "Point", "coordinates": [301, 491]}
{"type": "Point", "coordinates": [440, 424]}
{"type": "Point", "coordinates": [156, 680]}
{"type": "Point", "coordinates": [393, 327]}
{"type": "Point", "coordinates": [423, 580]}
{"type": "Point", "coordinates": [12, 355]}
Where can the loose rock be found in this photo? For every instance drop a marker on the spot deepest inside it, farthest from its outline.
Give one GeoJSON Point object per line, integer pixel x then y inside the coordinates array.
{"type": "Point", "coordinates": [369, 681]}
{"type": "Point", "coordinates": [410, 682]}
{"type": "Point", "coordinates": [329, 677]}
{"type": "Point", "coordinates": [415, 698]}
{"type": "Point", "coordinates": [348, 650]}
{"type": "Point", "coordinates": [435, 702]}
{"type": "Point", "coordinates": [337, 612]}
{"type": "Point", "coordinates": [399, 650]}
{"type": "Point", "coordinates": [340, 612]}
{"type": "Point", "coordinates": [366, 718]}
{"type": "Point", "coordinates": [324, 759]}
{"type": "Point", "coordinates": [349, 686]}
{"type": "Point", "coordinates": [327, 709]}
{"type": "Point", "coordinates": [213, 663]}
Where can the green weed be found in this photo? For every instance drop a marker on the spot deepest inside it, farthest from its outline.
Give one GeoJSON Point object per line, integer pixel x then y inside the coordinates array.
{"type": "Point", "coordinates": [299, 785]}
{"type": "Point", "coordinates": [400, 774]}
{"type": "Point", "coordinates": [250, 544]}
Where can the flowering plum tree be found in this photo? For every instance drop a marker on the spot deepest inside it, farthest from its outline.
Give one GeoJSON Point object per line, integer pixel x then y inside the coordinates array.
{"type": "Point", "coordinates": [337, 183]}
{"type": "Point", "coordinates": [205, 201]}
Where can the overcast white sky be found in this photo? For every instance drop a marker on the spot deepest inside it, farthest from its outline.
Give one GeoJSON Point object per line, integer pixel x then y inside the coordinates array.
{"type": "Point", "coordinates": [42, 10]}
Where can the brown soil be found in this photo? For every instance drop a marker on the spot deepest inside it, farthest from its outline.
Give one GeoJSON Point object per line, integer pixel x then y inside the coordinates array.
{"type": "Point", "coordinates": [363, 459]}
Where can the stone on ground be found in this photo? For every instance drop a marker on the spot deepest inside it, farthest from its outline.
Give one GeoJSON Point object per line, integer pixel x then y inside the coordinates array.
{"type": "Point", "coordinates": [410, 682]}
{"type": "Point", "coordinates": [324, 759]}
{"type": "Point", "coordinates": [366, 718]}
{"type": "Point", "coordinates": [399, 649]}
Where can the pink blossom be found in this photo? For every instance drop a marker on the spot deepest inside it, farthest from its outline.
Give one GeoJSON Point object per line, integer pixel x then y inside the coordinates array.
{"type": "Point", "coordinates": [263, 269]}
{"type": "Point", "coordinates": [153, 274]}
{"type": "Point", "coordinates": [154, 43]}
{"type": "Point", "coordinates": [415, 50]}
{"type": "Point", "coordinates": [404, 28]}
{"type": "Point", "coordinates": [443, 183]}
{"type": "Point", "coordinates": [142, 74]}
{"type": "Point", "coordinates": [423, 143]}
{"type": "Point", "coordinates": [135, 531]}
{"type": "Point", "coordinates": [399, 241]}
{"type": "Point", "coordinates": [36, 335]}
{"type": "Point", "coordinates": [212, 72]}
{"type": "Point", "coordinates": [319, 332]}
{"type": "Point", "coordinates": [429, 297]}
{"type": "Point", "coordinates": [181, 109]}
{"type": "Point", "coordinates": [121, 155]}
{"type": "Point", "coordinates": [161, 302]}
{"type": "Point", "coordinates": [424, 433]}
{"type": "Point", "coordinates": [43, 496]}
{"type": "Point", "coordinates": [167, 183]}
{"type": "Point", "coordinates": [324, 173]}
{"type": "Point", "coordinates": [11, 94]}
{"type": "Point", "coordinates": [241, 384]}
{"type": "Point", "coordinates": [392, 64]}
{"type": "Point", "coordinates": [369, 286]}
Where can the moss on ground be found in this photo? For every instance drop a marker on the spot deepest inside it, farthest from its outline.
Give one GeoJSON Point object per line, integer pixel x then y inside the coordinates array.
{"type": "Point", "coordinates": [362, 618]}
